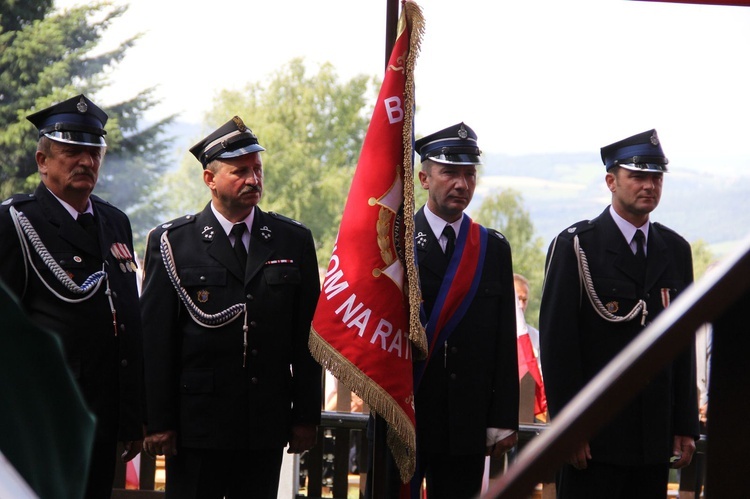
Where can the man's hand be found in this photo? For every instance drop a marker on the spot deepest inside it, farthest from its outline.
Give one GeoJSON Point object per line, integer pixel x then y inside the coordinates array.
{"type": "Point", "coordinates": [161, 443]}
{"type": "Point", "coordinates": [132, 449]}
{"type": "Point", "coordinates": [579, 459]}
{"type": "Point", "coordinates": [684, 448]}
{"type": "Point", "coordinates": [502, 446]}
{"type": "Point", "coordinates": [303, 438]}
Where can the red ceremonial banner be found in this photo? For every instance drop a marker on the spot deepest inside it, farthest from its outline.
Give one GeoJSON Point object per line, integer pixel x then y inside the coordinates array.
{"type": "Point", "coordinates": [368, 312]}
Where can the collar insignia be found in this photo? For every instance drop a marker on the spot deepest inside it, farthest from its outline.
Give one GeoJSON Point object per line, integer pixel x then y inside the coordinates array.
{"type": "Point", "coordinates": [265, 232]}
{"type": "Point", "coordinates": [421, 240]}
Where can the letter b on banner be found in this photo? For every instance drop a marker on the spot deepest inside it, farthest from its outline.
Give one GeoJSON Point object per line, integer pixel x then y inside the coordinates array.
{"type": "Point", "coordinates": [394, 109]}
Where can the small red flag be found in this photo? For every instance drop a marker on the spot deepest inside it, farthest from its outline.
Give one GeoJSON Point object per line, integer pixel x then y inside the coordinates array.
{"type": "Point", "coordinates": [367, 318]}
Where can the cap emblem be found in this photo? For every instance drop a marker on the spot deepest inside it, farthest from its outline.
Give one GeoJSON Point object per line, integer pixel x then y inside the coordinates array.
{"type": "Point", "coordinates": [82, 106]}
{"type": "Point", "coordinates": [240, 124]}
{"type": "Point", "coordinates": [654, 138]}
{"type": "Point", "coordinates": [462, 133]}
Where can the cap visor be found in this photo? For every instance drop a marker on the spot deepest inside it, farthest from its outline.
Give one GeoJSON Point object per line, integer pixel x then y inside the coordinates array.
{"type": "Point", "coordinates": [456, 159]}
{"type": "Point", "coordinates": [644, 167]}
{"type": "Point", "coordinates": [80, 138]}
{"type": "Point", "coordinates": [241, 151]}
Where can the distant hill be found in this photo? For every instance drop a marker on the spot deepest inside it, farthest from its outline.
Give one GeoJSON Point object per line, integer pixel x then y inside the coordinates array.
{"type": "Point", "coordinates": [561, 189]}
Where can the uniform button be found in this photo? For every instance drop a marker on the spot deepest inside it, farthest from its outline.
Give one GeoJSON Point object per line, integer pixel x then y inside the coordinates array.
{"type": "Point", "coordinates": [114, 295]}
{"type": "Point", "coordinates": [203, 278]}
{"type": "Point", "coordinates": [253, 324]}
{"type": "Point", "coordinates": [250, 297]}
{"type": "Point", "coordinates": [254, 380]}
{"type": "Point", "coordinates": [124, 362]}
{"type": "Point", "coordinates": [648, 296]}
{"type": "Point", "coordinates": [122, 328]}
{"type": "Point", "coordinates": [453, 376]}
{"type": "Point", "coordinates": [254, 352]}
{"type": "Point", "coordinates": [454, 350]}
{"type": "Point", "coordinates": [62, 262]}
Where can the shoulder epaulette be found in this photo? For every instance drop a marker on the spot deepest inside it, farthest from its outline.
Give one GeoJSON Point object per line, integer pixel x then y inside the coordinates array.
{"type": "Point", "coordinates": [96, 199]}
{"type": "Point", "coordinates": [498, 235]}
{"type": "Point", "coordinates": [667, 229]}
{"type": "Point", "coordinates": [18, 199]}
{"type": "Point", "coordinates": [577, 228]}
{"type": "Point", "coordinates": [177, 222]}
{"type": "Point", "coordinates": [288, 220]}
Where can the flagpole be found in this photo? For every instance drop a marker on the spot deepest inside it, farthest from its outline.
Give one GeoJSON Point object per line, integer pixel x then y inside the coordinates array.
{"type": "Point", "coordinates": [391, 25]}
{"type": "Point", "coordinates": [379, 451]}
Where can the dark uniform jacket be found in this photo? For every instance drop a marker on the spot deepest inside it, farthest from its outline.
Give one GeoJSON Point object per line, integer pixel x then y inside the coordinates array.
{"type": "Point", "coordinates": [195, 380]}
{"type": "Point", "coordinates": [576, 343]}
{"type": "Point", "coordinates": [474, 385]}
{"type": "Point", "coordinates": [106, 365]}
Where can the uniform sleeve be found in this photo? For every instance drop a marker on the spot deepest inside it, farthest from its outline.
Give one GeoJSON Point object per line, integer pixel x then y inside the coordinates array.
{"type": "Point", "coordinates": [685, 387]}
{"type": "Point", "coordinates": [13, 266]}
{"type": "Point", "coordinates": [160, 312]}
{"type": "Point", "coordinates": [307, 390]}
{"type": "Point", "coordinates": [559, 326]}
{"type": "Point", "coordinates": [504, 407]}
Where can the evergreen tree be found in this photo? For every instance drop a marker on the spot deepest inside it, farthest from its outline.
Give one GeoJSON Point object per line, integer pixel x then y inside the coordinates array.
{"type": "Point", "coordinates": [46, 57]}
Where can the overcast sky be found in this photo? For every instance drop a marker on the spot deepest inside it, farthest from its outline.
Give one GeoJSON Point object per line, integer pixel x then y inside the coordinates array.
{"type": "Point", "coordinates": [528, 76]}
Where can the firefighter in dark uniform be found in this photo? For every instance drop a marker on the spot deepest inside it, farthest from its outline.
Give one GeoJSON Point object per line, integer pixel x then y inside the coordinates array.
{"type": "Point", "coordinates": [228, 299]}
{"type": "Point", "coordinates": [607, 279]}
{"type": "Point", "coordinates": [68, 256]}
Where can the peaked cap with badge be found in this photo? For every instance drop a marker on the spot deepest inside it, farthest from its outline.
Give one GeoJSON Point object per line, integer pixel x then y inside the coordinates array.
{"type": "Point", "coordinates": [73, 121]}
{"type": "Point", "coordinates": [641, 152]}
{"type": "Point", "coordinates": [455, 145]}
{"type": "Point", "coordinates": [230, 140]}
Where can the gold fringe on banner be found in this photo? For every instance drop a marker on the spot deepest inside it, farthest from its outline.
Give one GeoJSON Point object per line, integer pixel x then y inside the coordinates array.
{"type": "Point", "coordinates": [416, 331]}
{"type": "Point", "coordinates": [402, 438]}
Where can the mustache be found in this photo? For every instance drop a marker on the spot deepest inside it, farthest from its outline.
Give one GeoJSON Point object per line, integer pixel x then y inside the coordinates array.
{"type": "Point", "coordinates": [250, 188]}
{"type": "Point", "coordinates": [82, 171]}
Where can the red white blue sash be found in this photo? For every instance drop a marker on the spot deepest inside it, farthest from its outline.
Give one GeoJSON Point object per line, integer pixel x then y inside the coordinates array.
{"type": "Point", "coordinates": [457, 290]}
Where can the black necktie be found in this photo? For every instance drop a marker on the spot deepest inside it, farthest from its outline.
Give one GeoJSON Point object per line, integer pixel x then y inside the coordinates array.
{"type": "Point", "coordinates": [450, 234]}
{"type": "Point", "coordinates": [640, 239]}
{"type": "Point", "coordinates": [239, 246]}
{"type": "Point", "coordinates": [86, 220]}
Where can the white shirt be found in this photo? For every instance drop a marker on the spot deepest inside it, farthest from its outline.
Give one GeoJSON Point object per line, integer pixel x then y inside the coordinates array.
{"type": "Point", "coordinates": [437, 225]}
{"type": "Point", "coordinates": [628, 230]}
{"type": "Point", "coordinates": [227, 226]}
{"type": "Point", "coordinates": [73, 212]}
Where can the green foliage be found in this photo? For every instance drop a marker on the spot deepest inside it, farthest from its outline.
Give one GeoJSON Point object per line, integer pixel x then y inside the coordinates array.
{"type": "Point", "coordinates": [702, 258]}
{"type": "Point", "coordinates": [312, 127]}
{"type": "Point", "coordinates": [504, 211]}
{"type": "Point", "coordinates": [46, 57]}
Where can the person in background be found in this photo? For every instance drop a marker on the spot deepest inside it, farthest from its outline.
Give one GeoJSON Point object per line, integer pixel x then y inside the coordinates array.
{"type": "Point", "coordinates": [607, 279]}
{"type": "Point", "coordinates": [228, 297]}
{"type": "Point", "coordinates": [528, 350]}
{"type": "Point", "coordinates": [68, 257]}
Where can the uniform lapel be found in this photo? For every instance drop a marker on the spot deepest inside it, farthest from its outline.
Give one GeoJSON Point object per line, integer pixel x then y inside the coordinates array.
{"type": "Point", "coordinates": [261, 244]}
{"type": "Point", "coordinates": [219, 248]}
{"type": "Point", "coordinates": [67, 228]}
{"type": "Point", "coordinates": [106, 233]}
{"type": "Point", "coordinates": [430, 255]}
{"type": "Point", "coordinates": [657, 256]}
{"type": "Point", "coordinates": [619, 254]}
